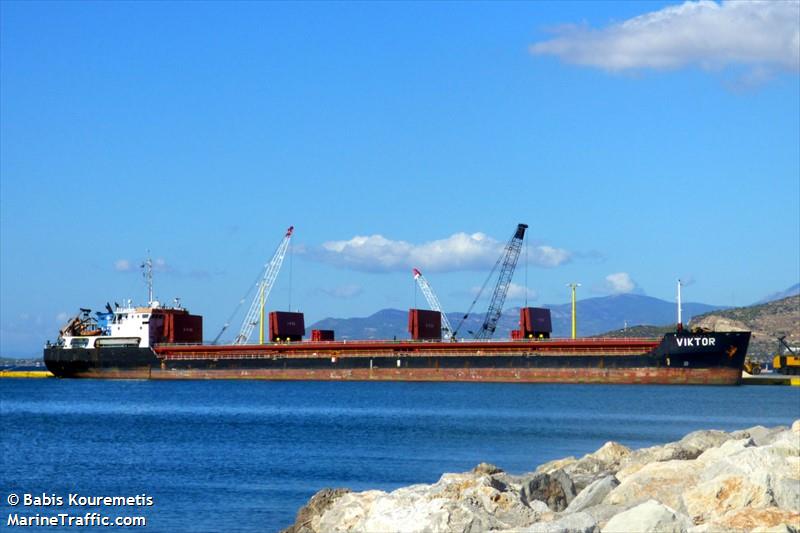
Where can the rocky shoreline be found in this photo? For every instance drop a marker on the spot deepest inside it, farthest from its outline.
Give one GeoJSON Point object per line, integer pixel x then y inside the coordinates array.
{"type": "Point", "coordinates": [709, 481]}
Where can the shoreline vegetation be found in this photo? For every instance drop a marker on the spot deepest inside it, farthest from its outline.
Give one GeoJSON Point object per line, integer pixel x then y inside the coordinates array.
{"type": "Point", "coordinates": [709, 481]}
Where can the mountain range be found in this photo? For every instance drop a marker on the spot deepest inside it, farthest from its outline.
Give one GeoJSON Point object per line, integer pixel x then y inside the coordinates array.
{"type": "Point", "coordinates": [595, 316]}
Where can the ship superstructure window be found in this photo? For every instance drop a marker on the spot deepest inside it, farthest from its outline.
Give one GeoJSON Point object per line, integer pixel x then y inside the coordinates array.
{"type": "Point", "coordinates": [79, 343]}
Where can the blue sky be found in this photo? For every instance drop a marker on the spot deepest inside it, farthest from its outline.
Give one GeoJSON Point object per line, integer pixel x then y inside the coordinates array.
{"type": "Point", "coordinates": [392, 135]}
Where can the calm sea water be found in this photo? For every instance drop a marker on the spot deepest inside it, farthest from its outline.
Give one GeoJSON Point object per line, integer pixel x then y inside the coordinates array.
{"type": "Point", "coordinates": [244, 456]}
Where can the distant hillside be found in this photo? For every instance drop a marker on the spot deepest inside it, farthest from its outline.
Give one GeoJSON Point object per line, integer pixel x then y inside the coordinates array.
{"type": "Point", "coordinates": [640, 331]}
{"type": "Point", "coordinates": [767, 322]}
{"type": "Point", "coordinates": [608, 313]}
{"type": "Point", "coordinates": [595, 316]}
{"type": "Point", "coordinates": [385, 324]}
{"type": "Point", "coordinates": [794, 290]}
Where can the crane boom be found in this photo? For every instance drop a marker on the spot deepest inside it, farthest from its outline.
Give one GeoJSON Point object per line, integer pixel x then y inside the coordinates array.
{"type": "Point", "coordinates": [264, 287]}
{"type": "Point", "coordinates": [509, 263]}
{"type": "Point", "coordinates": [433, 301]}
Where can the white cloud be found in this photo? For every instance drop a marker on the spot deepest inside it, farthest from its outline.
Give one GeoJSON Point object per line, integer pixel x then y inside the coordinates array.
{"type": "Point", "coordinates": [62, 317]}
{"type": "Point", "coordinates": [125, 265]}
{"type": "Point", "coordinates": [344, 292]}
{"type": "Point", "coordinates": [160, 265]}
{"type": "Point", "coordinates": [620, 283]}
{"type": "Point", "coordinates": [762, 35]}
{"type": "Point", "coordinates": [122, 265]}
{"type": "Point", "coordinates": [518, 292]}
{"type": "Point", "coordinates": [460, 251]}
{"type": "Point", "coordinates": [547, 256]}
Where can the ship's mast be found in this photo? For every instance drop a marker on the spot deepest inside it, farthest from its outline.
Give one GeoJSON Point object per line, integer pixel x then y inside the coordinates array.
{"type": "Point", "coordinates": [680, 311]}
{"type": "Point", "coordinates": [574, 286]}
{"type": "Point", "coordinates": [147, 272]}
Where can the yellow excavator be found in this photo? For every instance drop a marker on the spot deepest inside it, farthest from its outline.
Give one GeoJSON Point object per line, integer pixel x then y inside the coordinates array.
{"type": "Point", "coordinates": [752, 366]}
{"type": "Point", "coordinates": [787, 361]}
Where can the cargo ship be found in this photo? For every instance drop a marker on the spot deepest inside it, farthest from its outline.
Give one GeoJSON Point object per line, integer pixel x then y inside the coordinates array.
{"type": "Point", "coordinates": [163, 342]}
{"type": "Point", "coordinates": [160, 342]}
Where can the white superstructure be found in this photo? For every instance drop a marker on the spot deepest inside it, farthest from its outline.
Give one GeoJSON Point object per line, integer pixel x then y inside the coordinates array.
{"type": "Point", "coordinates": [128, 326]}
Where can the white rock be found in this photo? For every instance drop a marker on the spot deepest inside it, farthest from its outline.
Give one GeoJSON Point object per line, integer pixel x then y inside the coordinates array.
{"type": "Point", "coordinates": [750, 518]}
{"type": "Point", "coordinates": [726, 493]}
{"type": "Point", "coordinates": [750, 461]}
{"type": "Point", "coordinates": [647, 517]}
{"type": "Point", "coordinates": [761, 435]}
{"type": "Point", "coordinates": [690, 447]}
{"type": "Point", "coordinates": [348, 512]}
{"type": "Point", "coordinates": [538, 506]}
{"type": "Point", "coordinates": [572, 523]}
{"type": "Point", "coordinates": [418, 516]}
{"type": "Point", "coordinates": [780, 528]}
{"type": "Point", "coordinates": [661, 481]}
{"type": "Point", "coordinates": [709, 481]}
{"type": "Point", "coordinates": [727, 448]}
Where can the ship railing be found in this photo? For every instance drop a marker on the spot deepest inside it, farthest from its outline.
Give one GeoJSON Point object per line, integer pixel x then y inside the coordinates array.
{"type": "Point", "coordinates": [389, 342]}
{"type": "Point", "coordinates": [203, 355]}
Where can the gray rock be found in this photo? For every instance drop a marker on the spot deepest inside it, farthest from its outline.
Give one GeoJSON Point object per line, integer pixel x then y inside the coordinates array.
{"type": "Point", "coordinates": [786, 493]}
{"type": "Point", "coordinates": [593, 466]}
{"type": "Point", "coordinates": [539, 507]}
{"type": "Point", "coordinates": [593, 494]}
{"type": "Point", "coordinates": [697, 442]}
{"type": "Point", "coordinates": [709, 481]}
{"type": "Point", "coordinates": [487, 468]}
{"type": "Point", "coordinates": [647, 517]}
{"type": "Point", "coordinates": [603, 513]}
{"type": "Point", "coordinates": [572, 523]}
{"type": "Point", "coordinates": [689, 447]}
{"type": "Point", "coordinates": [555, 489]}
{"type": "Point", "coordinates": [761, 435]}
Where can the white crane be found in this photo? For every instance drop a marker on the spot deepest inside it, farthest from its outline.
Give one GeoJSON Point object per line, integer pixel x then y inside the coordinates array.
{"type": "Point", "coordinates": [263, 289]}
{"type": "Point", "coordinates": [433, 301]}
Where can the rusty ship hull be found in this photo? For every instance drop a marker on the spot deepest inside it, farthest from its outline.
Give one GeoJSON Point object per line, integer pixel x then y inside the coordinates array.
{"type": "Point", "coordinates": [677, 358]}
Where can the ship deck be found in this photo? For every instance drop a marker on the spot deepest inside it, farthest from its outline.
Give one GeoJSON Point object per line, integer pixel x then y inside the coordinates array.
{"type": "Point", "coordinates": [360, 348]}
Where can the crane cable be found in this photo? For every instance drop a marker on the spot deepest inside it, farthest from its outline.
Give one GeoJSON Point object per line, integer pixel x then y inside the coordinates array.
{"type": "Point", "coordinates": [478, 296]}
{"type": "Point", "coordinates": [238, 307]}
